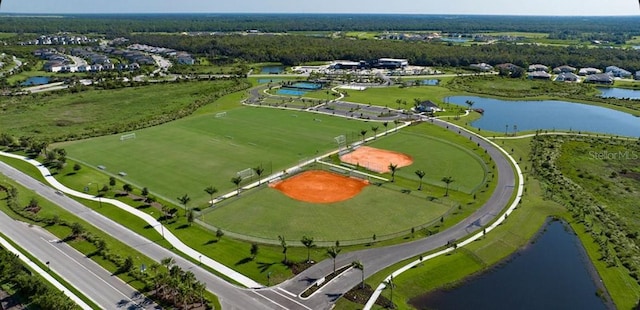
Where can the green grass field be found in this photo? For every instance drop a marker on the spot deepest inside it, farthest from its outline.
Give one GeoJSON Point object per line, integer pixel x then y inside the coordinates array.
{"type": "Point", "coordinates": [188, 155]}
{"type": "Point", "coordinates": [268, 213]}
{"type": "Point", "coordinates": [438, 158]}
{"type": "Point", "coordinates": [387, 96]}
{"type": "Point", "coordinates": [62, 114]}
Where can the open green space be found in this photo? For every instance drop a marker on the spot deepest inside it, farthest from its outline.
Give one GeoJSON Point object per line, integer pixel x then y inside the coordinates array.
{"type": "Point", "coordinates": [438, 158]}
{"type": "Point", "coordinates": [521, 226]}
{"type": "Point", "coordinates": [388, 96]}
{"type": "Point", "coordinates": [188, 155]}
{"type": "Point", "coordinates": [62, 115]}
{"type": "Point", "coordinates": [268, 213]}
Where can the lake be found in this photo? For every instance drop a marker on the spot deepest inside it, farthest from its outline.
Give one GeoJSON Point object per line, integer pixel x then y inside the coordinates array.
{"type": "Point", "coordinates": [272, 70]}
{"type": "Point", "coordinates": [552, 273]}
{"type": "Point", "coordinates": [549, 115]}
{"type": "Point", "coordinates": [620, 93]}
{"type": "Point", "coordinates": [35, 81]}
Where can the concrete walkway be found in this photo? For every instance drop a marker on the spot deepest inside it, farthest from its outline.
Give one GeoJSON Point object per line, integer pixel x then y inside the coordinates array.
{"type": "Point", "coordinates": [166, 233]}
{"type": "Point", "coordinates": [469, 240]}
{"type": "Point", "coordinates": [33, 266]}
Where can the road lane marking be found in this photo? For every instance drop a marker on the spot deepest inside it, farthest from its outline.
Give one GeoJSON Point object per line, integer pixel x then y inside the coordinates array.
{"type": "Point", "coordinates": [269, 299]}
{"type": "Point", "coordinates": [85, 268]}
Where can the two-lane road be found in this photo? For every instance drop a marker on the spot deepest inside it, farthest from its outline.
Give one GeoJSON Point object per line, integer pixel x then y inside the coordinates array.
{"type": "Point", "coordinates": [94, 282]}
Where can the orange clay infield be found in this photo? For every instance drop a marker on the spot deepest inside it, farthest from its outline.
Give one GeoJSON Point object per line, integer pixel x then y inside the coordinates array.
{"type": "Point", "coordinates": [376, 159]}
{"type": "Point", "coordinates": [318, 186]}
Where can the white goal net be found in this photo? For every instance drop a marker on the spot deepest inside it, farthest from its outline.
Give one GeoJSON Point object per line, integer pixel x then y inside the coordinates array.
{"type": "Point", "coordinates": [221, 114]}
{"type": "Point", "coordinates": [246, 173]}
{"type": "Point", "coordinates": [341, 140]}
{"type": "Point", "coordinates": [128, 136]}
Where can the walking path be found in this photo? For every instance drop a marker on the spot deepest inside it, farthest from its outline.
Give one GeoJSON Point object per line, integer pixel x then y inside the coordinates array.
{"type": "Point", "coordinates": [166, 233]}
{"type": "Point", "coordinates": [473, 238]}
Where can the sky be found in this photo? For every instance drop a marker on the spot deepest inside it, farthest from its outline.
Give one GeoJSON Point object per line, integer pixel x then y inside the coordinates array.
{"type": "Point", "coordinates": [483, 7]}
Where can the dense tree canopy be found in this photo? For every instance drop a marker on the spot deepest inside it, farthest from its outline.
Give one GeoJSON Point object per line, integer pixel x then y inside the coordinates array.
{"type": "Point", "coordinates": [291, 50]}
{"type": "Point", "coordinates": [124, 24]}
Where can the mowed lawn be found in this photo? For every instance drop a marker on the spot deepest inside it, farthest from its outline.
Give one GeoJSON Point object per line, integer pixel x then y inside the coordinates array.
{"type": "Point", "coordinates": [268, 213]}
{"type": "Point", "coordinates": [438, 157]}
{"type": "Point", "coordinates": [188, 155]}
{"type": "Point", "coordinates": [387, 96]}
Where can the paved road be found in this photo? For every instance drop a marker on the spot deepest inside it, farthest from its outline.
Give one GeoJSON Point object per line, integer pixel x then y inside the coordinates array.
{"type": "Point", "coordinates": [96, 283]}
{"type": "Point", "coordinates": [231, 297]}
{"type": "Point", "coordinates": [377, 259]}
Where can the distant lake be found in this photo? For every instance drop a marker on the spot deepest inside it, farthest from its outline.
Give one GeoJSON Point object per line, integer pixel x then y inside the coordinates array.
{"type": "Point", "coordinates": [455, 40]}
{"type": "Point", "coordinates": [272, 70]}
{"type": "Point", "coordinates": [549, 115]}
{"type": "Point", "coordinates": [35, 81]}
{"type": "Point", "coordinates": [431, 82]}
{"type": "Point", "coordinates": [620, 93]}
{"type": "Point", "coordinates": [552, 273]}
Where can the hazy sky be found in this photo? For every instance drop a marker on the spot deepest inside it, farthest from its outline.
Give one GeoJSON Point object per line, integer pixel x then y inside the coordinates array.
{"type": "Point", "coordinates": [498, 7]}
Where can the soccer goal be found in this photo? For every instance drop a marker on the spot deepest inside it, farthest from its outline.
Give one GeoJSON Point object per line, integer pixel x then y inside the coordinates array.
{"type": "Point", "coordinates": [128, 136]}
{"type": "Point", "coordinates": [221, 114]}
{"type": "Point", "coordinates": [341, 140]}
{"type": "Point", "coordinates": [246, 173]}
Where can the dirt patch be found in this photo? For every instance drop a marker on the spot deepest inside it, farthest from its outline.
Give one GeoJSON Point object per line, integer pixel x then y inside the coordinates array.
{"type": "Point", "coordinates": [318, 186]}
{"type": "Point", "coordinates": [376, 159]}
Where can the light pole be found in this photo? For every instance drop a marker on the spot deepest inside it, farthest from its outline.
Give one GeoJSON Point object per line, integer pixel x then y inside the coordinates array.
{"type": "Point", "coordinates": [200, 259]}
{"type": "Point", "coordinates": [97, 193]}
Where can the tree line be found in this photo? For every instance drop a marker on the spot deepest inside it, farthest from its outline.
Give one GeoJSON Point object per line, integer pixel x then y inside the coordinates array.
{"type": "Point", "coordinates": [295, 49]}
{"type": "Point", "coordinates": [114, 25]}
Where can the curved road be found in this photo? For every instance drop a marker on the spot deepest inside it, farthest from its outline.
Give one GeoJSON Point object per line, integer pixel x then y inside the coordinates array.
{"type": "Point", "coordinates": [374, 260]}
{"type": "Point", "coordinates": [284, 296]}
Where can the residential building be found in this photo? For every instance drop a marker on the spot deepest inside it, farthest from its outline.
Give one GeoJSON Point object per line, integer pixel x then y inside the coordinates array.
{"type": "Point", "coordinates": [567, 77]}
{"type": "Point", "coordinates": [564, 69]}
{"type": "Point", "coordinates": [539, 75]}
{"type": "Point", "coordinates": [538, 67]}
{"type": "Point", "coordinates": [617, 72]}
{"type": "Point", "coordinates": [589, 71]}
{"type": "Point", "coordinates": [601, 78]}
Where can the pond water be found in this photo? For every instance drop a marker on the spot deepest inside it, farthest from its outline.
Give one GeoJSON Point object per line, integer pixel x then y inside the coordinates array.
{"type": "Point", "coordinates": [272, 70]}
{"type": "Point", "coordinates": [431, 82]}
{"type": "Point", "coordinates": [265, 81]}
{"type": "Point", "coordinates": [552, 273]}
{"type": "Point", "coordinates": [455, 40]}
{"type": "Point", "coordinates": [620, 93]}
{"type": "Point", "coordinates": [290, 92]}
{"type": "Point", "coordinates": [36, 80]}
{"type": "Point", "coordinates": [549, 115]}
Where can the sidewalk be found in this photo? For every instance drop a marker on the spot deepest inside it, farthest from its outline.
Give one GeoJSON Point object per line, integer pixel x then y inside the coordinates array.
{"type": "Point", "coordinates": [170, 237]}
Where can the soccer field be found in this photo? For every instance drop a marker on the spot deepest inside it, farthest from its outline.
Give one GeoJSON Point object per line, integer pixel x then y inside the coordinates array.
{"type": "Point", "coordinates": [188, 155]}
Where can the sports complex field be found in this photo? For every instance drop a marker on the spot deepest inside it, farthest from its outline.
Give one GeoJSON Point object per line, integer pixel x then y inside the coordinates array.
{"type": "Point", "coordinates": [188, 155]}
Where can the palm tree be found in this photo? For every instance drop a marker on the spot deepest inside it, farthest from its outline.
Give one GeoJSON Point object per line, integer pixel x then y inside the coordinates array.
{"type": "Point", "coordinates": [184, 200]}
{"type": "Point", "coordinates": [283, 244]}
{"type": "Point", "coordinates": [393, 169]}
{"type": "Point", "coordinates": [385, 124]}
{"type": "Point", "coordinates": [167, 262]}
{"type": "Point", "coordinates": [258, 170]}
{"type": "Point", "coordinates": [308, 243]}
{"type": "Point", "coordinates": [375, 130]}
{"type": "Point", "coordinates": [254, 250]}
{"type": "Point", "coordinates": [236, 181]}
{"type": "Point", "coordinates": [363, 133]}
{"type": "Point", "coordinates": [219, 234]}
{"type": "Point", "coordinates": [358, 265]}
{"type": "Point", "coordinates": [420, 174]}
{"type": "Point", "coordinates": [470, 103]}
{"type": "Point", "coordinates": [211, 191]}
{"type": "Point", "coordinates": [333, 253]}
{"type": "Point", "coordinates": [447, 180]}
{"type": "Point", "coordinates": [390, 284]}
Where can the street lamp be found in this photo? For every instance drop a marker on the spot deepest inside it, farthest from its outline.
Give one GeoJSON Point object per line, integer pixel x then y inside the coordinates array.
{"type": "Point", "coordinates": [200, 258]}
{"type": "Point", "coordinates": [97, 193]}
